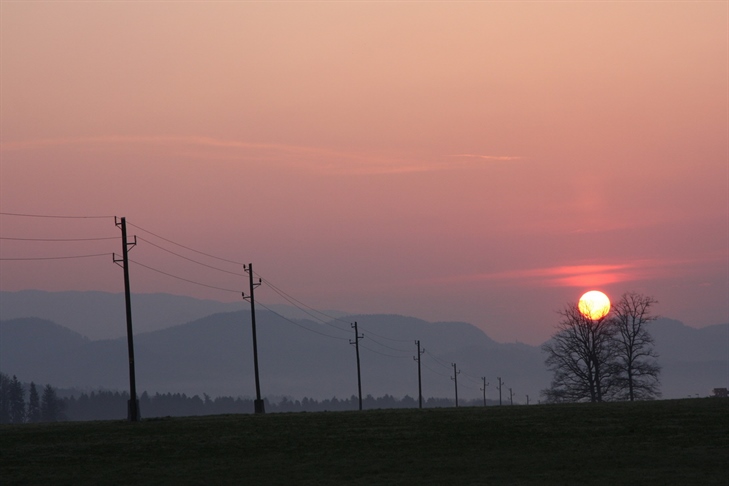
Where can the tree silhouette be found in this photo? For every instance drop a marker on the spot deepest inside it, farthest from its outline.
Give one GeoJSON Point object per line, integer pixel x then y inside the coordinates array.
{"type": "Point", "coordinates": [51, 407]}
{"type": "Point", "coordinates": [634, 346]}
{"type": "Point", "coordinates": [581, 356]}
{"type": "Point", "coordinates": [4, 398]}
{"type": "Point", "coordinates": [34, 413]}
{"type": "Point", "coordinates": [17, 401]}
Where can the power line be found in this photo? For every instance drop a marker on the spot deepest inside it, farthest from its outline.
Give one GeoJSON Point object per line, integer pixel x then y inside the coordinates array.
{"type": "Point", "coordinates": [190, 259]}
{"type": "Point", "coordinates": [389, 339]}
{"type": "Point", "coordinates": [55, 216]}
{"type": "Point", "coordinates": [436, 372]}
{"type": "Point", "coordinates": [186, 247]}
{"type": "Point", "coordinates": [183, 279]}
{"type": "Point", "coordinates": [59, 239]}
{"type": "Point", "coordinates": [290, 298]}
{"type": "Point", "coordinates": [462, 385]}
{"type": "Point", "coordinates": [386, 346]}
{"type": "Point", "coordinates": [68, 257]}
{"type": "Point", "coordinates": [472, 380]}
{"type": "Point", "coordinates": [297, 324]}
{"type": "Point", "coordinates": [292, 301]}
{"type": "Point", "coordinates": [383, 354]}
{"type": "Point", "coordinates": [437, 360]}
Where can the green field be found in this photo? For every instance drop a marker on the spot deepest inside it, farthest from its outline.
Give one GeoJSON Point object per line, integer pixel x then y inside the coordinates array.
{"type": "Point", "coordinates": [663, 442]}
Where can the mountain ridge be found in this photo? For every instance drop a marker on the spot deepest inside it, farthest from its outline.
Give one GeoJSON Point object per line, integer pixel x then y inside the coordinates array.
{"type": "Point", "coordinates": [302, 357]}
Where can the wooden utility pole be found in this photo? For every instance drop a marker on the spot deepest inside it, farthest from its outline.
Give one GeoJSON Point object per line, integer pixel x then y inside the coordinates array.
{"type": "Point", "coordinates": [484, 389]}
{"type": "Point", "coordinates": [357, 337]}
{"type": "Point", "coordinates": [501, 383]}
{"type": "Point", "coordinates": [258, 405]}
{"type": "Point", "coordinates": [133, 404]}
{"type": "Point", "coordinates": [455, 379]}
{"type": "Point", "coordinates": [420, 382]}
{"type": "Point", "coordinates": [511, 397]}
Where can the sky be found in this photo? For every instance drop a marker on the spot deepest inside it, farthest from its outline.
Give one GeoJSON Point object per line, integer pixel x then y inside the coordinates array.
{"type": "Point", "coordinates": [485, 162]}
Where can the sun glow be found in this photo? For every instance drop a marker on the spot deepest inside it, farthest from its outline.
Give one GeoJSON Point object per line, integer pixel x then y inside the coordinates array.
{"type": "Point", "coordinates": [594, 304]}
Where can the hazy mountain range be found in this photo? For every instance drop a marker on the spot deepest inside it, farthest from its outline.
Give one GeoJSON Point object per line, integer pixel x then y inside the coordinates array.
{"type": "Point", "coordinates": [77, 339]}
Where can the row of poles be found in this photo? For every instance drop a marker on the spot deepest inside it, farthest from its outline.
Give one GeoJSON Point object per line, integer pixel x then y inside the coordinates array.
{"type": "Point", "coordinates": [420, 352]}
{"type": "Point", "coordinates": [133, 412]}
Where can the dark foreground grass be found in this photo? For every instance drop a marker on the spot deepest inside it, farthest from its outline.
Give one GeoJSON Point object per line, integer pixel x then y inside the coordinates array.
{"type": "Point", "coordinates": [664, 442]}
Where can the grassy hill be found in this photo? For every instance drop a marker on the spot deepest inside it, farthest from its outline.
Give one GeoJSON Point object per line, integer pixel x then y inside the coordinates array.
{"type": "Point", "coordinates": [662, 442]}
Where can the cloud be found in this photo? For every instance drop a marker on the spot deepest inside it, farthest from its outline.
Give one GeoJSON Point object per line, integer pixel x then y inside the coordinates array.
{"type": "Point", "coordinates": [583, 276]}
{"type": "Point", "coordinates": [324, 160]}
{"type": "Point", "coordinates": [565, 275]}
{"type": "Point", "coordinates": [489, 157]}
{"type": "Point", "coordinates": [320, 159]}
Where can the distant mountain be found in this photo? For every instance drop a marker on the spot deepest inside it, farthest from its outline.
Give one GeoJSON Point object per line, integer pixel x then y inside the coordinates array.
{"type": "Point", "coordinates": [694, 361]}
{"type": "Point", "coordinates": [299, 357]}
{"type": "Point", "coordinates": [678, 342]}
{"type": "Point", "coordinates": [102, 315]}
{"type": "Point", "coordinates": [33, 347]}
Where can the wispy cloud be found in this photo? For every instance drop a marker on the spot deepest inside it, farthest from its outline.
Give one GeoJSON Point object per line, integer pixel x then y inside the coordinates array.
{"type": "Point", "coordinates": [325, 160]}
{"type": "Point", "coordinates": [489, 157]}
{"type": "Point", "coordinates": [590, 275]}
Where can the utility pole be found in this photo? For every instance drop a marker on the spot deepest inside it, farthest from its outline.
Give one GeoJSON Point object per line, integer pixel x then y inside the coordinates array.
{"type": "Point", "coordinates": [501, 383]}
{"type": "Point", "coordinates": [484, 389]}
{"type": "Point", "coordinates": [258, 405]}
{"type": "Point", "coordinates": [133, 404]}
{"type": "Point", "coordinates": [455, 379]}
{"type": "Point", "coordinates": [420, 382]}
{"type": "Point", "coordinates": [357, 337]}
{"type": "Point", "coordinates": [511, 397]}
{"type": "Point", "coordinates": [527, 399]}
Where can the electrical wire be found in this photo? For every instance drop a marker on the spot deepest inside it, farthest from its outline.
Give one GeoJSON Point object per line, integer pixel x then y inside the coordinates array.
{"type": "Point", "coordinates": [183, 279]}
{"type": "Point", "coordinates": [472, 378]}
{"type": "Point", "coordinates": [68, 257]}
{"type": "Point", "coordinates": [59, 239]}
{"type": "Point", "coordinates": [437, 360]}
{"type": "Point", "coordinates": [383, 354]}
{"type": "Point", "coordinates": [390, 339]}
{"type": "Point", "coordinates": [297, 324]}
{"type": "Point", "coordinates": [385, 345]}
{"type": "Point", "coordinates": [185, 247]}
{"type": "Point", "coordinates": [467, 387]}
{"type": "Point", "coordinates": [436, 372]}
{"type": "Point", "coordinates": [190, 259]}
{"type": "Point", "coordinates": [53, 216]}
{"type": "Point", "coordinates": [292, 301]}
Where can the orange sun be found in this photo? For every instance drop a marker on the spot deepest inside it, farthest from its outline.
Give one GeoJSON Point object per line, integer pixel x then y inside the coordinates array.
{"type": "Point", "coordinates": [594, 304]}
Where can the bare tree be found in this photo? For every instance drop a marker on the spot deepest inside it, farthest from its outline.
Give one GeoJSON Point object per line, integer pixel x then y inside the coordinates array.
{"type": "Point", "coordinates": [634, 347]}
{"type": "Point", "coordinates": [581, 356]}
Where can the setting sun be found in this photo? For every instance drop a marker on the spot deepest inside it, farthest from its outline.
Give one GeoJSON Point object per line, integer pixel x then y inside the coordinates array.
{"type": "Point", "coordinates": [594, 304]}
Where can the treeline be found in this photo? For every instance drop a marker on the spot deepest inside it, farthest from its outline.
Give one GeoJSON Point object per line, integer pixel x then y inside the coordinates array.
{"type": "Point", "coordinates": [112, 405]}
{"type": "Point", "coordinates": [15, 409]}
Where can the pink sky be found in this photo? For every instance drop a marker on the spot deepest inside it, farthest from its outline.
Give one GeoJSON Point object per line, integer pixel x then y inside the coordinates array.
{"type": "Point", "coordinates": [477, 161]}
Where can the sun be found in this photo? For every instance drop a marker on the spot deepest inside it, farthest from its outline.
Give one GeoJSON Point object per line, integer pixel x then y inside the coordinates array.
{"type": "Point", "coordinates": [594, 304]}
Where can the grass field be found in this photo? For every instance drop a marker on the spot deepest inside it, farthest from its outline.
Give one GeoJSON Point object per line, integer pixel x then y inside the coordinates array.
{"type": "Point", "coordinates": [677, 442]}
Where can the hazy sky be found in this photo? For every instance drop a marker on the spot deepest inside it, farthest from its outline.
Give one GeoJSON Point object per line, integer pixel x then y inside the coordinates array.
{"type": "Point", "coordinates": [477, 161]}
